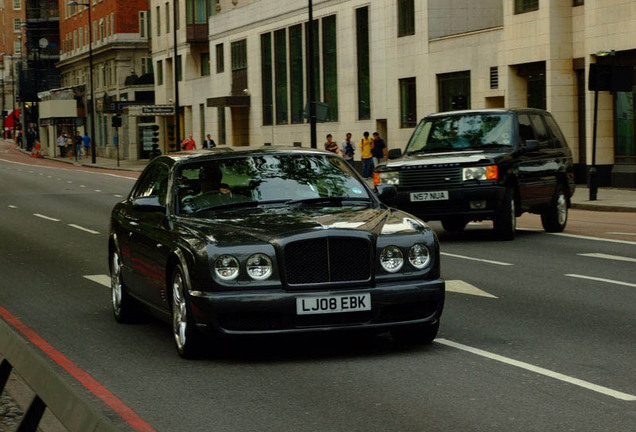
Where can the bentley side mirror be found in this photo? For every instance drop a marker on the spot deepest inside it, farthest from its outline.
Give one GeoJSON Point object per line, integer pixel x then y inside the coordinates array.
{"type": "Point", "coordinates": [386, 192]}
{"type": "Point", "coordinates": [395, 153]}
{"type": "Point", "coordinates": [148, 204]}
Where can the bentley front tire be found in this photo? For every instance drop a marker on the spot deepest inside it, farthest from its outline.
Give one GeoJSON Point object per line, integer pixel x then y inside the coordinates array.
{"type": "Point", "coordinates": [186, 337]}
{"type": "Point", "coordinates": [124, 308]}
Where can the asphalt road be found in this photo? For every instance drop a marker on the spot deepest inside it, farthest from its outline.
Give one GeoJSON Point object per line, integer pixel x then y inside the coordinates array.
{"type": "Point", "coordinates": [543, 339]}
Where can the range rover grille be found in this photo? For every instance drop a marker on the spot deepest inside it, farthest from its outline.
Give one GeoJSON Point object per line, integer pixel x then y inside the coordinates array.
{"type": "Point", "coordinates": [430, 178]}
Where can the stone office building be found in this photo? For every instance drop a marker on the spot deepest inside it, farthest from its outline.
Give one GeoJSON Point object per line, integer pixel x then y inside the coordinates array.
{"type": "Point", "coordinates": [241, 68]}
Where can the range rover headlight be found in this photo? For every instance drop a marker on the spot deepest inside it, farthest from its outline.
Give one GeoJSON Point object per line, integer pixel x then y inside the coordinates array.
{"type": "Point", "coordinates": [419, 256]}
{"type": "Point", "coordinates": [490, 172]}
{"type": "Point", "coordinates": [390, 177]}
{"type": "Point", "coordinates": [226, 267]}
{"type": "Point", "coordinates": [391, 259]}
{"type": "Point", "coordinates": [259, 266]}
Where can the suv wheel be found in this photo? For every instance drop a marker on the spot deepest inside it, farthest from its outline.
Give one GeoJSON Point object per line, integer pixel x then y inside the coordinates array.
{"type": "Point", "coordinates": [454, 224]}
{"type": "Point", "coordinates": [505, 221]}
{"type": "Point", "coordinates": [555, 217]}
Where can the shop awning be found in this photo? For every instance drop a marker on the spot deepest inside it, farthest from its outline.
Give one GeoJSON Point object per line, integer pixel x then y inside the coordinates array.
{"type": "Point", "coordinates": [229, 101]}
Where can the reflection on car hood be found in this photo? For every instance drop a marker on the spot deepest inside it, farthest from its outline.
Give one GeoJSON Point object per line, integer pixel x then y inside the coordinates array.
{"type": "Point", "coordinates": [242, 226]}
{"type": "Point", "coordinates": [462, 157]}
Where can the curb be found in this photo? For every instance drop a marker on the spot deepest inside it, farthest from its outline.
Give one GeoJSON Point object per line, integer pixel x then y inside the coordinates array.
{"type": "Point", "coordinates": [80, 164]}
{"type": "Point", "coordinates": [603, 208]}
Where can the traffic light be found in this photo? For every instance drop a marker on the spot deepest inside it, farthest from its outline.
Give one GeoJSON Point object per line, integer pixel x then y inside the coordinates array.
{"type": "Point", "coordinates": [172, 145]}
{"type": "Point", "coordinates": [116, 121]}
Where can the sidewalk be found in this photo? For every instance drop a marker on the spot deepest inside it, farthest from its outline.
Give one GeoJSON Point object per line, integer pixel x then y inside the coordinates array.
{"type": "Point", "coordinates": [608, 199]}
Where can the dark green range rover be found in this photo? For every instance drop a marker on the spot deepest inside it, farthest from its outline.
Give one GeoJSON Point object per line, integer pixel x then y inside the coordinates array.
{"type": "Point", "coordinates": [483, 165]}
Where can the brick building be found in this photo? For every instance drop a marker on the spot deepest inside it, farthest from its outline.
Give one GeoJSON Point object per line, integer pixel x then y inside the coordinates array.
{"type": "Point", "coordinates": [11, 48]}
{"type": "Point", "coordinates": [122, 69]}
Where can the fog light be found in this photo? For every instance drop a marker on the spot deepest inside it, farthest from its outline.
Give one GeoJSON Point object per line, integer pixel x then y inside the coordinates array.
{"type": "Point", "coordinates": [477, 205]}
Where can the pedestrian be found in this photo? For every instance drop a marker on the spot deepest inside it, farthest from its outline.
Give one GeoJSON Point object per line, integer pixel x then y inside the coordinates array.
{"type": "Point", "coordinates": [366, 146]}
{"type": "Point", "coordinates": [31, 137]}
{"type": "Point", "coordinates": [61, 144]}
{"type": "Point", "coordinates": [348, 149]}
{"type": "Point", "coordinates": [209, 142]}
{"type": "Point", "coordinates": [331, 145]}
{"type": "Point", "coordinates": [188, 143]}
{"type": "Point", "coordinates": [69, 145]}
{"type": "Point", "coordinates": [78, 142]}
{"type": "Point", "coordinates": [87, 144]}
{"type": "Point", "coordinates": [379, 150]}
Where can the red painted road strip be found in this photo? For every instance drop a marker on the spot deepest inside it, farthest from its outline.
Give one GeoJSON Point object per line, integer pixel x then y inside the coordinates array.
{"type": "Point", "coordinates": [79, 374]}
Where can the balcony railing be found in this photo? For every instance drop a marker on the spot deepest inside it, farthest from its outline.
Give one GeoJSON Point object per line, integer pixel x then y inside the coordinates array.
{"type": "Point", "coordinates": [196, 33]}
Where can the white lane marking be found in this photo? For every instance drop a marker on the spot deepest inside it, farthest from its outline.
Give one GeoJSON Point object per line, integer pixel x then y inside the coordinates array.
{"type": "Point", "coordinates": [12, 207]}
{"type": "Point", "coordinates": [593, 238]}
{"type": "Point", "coordinates": [118, 196]}
{"type": "Point", "coordinates": [97, 190]}
{"type": "Point", "coordinates": [462, 287]}
{"type": "Point", "coordinates": [615, 282]}
{"type": "Point", "coordinates": [50, 176]}
{"type": "Point", "coordinates": [30, 172]}
{"type": "Point", "coordinates": [45, 217]}
{"type": "Point", "coordinates": [66, 169]}
{"type": "Point", "coordinates": [539, 370]}
{"type": "Point", "coordinates": [82, 186]}
{"type": "Point", "coordinates": [608, 257]}
{"type": "Point", "coordinates": [476, 259]}
{"type": "Point", "coordinates": [620, 233]}
{"type": "Point", "coordinates": [101, 279]}
{"type": "Point", "coordinates": [83, 229]}
{"type": "Point", "coordinates": [69, 181]}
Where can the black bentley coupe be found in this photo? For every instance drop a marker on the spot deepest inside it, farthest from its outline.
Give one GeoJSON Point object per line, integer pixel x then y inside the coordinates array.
{"type": "Point", "coordinates": [273, 240]}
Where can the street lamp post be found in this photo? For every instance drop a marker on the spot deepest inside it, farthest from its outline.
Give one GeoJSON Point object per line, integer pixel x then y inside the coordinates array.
{"type": "Point", "coordinates": [310, 77]}
{"type": "Point", "coordinates": [90, 70]}
{"type": "Point", "coordinates": [177, 67]}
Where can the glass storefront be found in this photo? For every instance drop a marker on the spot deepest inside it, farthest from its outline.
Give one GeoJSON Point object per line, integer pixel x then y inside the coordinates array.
{"type": "Point", "coordinates": [625, 140]}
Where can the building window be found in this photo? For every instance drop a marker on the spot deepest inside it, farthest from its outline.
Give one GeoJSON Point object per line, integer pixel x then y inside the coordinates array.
{"type": "Point", "coordinates": [86, 36]}
{"type": "Point", "coordinates": [146, 65]}
{"type": "Point", "coordinates": [205, 64]}
{"type": "Point", "coordinates": [17, 47]}
{"type": "Point", "coordinates": [296, 83]}
{"type": "Point", "coordinates": [454, 91]}
{"type": "Point", "coordinates": [406, 17]}
{"type": "Point", "coordinates": [158, 20]}
{"type": "Point", "coordinates": [221, 121]}
{"type": "Point", "coordinates": [112, 23]}
{"type": "Point", "coordinates": [494, 77]}
{"type": "Point", "coordinates": [179, 68]}
{"type": "Point", "coordinates": [143, 16]}
{"type": "Point", "coordinates": [177, 16]}
{"type": "Point", "coordinates": [523, 6]}
{"type": "Point", "coordinates": [624, 120]}
{"type": "Point", "coordinates": [239, 55]}
{"type": "Point", "coordinates": [362, 55]}
{"type": "Point", "coordinates": [579, 2]}
{"type": "Point", "coordinates": [106, 26]}
{"type": "Point", "coordinates": [330, 67]}
{"type": "Point", "coordinates": [167, 18]}
{"type": "Point", "coordinates": [17, 23]}
{"type": "Point", "coordinates": [266, 78]}
{"type": "Point", "coordinates": [408, 103]}
{"type": "Point", "coordinates": [80, 36]}
{"type": "Point", "coordinates": [75, 46]}
{"type": "Point", "coordinates": [220, 64]}
{"type": "Point", "coordinates": [280, 68]}
{"type": "Point", "coordinates": [17, 4]}
{"type": "Point", "coordinates": [160, 72]}
{"type": "Point", "coordinates": [196, 11]}
{"type": "Point", "coordinates": [101, 29]}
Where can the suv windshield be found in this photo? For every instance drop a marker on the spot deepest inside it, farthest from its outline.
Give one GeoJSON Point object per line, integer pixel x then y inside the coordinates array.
{"type": "Point", "coordinates": [253, 180]}
{"type": "Point", "coordinates": [461, 131]}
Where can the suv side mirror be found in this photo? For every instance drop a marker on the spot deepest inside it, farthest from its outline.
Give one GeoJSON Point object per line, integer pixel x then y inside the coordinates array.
{"type": "Point", "coordinates": [531, 145]}
{"type": "Point", "coordinates": [395, 153]}
{"type": "Point", "coordinates": [148, 204]}
{"type": "Point", "coordinates": [386, 192]}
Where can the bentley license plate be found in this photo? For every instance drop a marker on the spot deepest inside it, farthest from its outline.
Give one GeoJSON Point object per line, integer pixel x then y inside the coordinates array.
{"type": "Point", "coordinates": [429, 196]}
{"type": "Point", "coordinates": [333, 304]}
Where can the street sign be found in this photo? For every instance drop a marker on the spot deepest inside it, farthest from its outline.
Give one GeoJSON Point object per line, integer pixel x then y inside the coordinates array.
{"type": "Point", "coordinates": [154, 110]}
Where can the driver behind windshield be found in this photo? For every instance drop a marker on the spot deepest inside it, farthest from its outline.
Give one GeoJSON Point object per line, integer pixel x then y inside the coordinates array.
{"type": "Point", "coordinates": [211, 190]}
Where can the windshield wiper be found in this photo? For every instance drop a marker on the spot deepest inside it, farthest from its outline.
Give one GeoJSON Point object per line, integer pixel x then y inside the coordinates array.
{"type": "Point", "coordinates": [243, 204]}
{"type": "Point", "coordinates": [329, 200]}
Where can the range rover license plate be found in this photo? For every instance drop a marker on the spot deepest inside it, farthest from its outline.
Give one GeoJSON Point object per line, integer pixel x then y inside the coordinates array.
{"type": "Point", "coordinates": [429, 196]}
{"type": "Point", "coordinates": [333, 304]}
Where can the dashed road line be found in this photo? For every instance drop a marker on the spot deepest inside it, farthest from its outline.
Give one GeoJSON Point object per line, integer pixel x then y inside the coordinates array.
{"type": "Point", "coordinates": [476, 259]}
{"type": "Point", "coordinates": [83, 229]}
{"type": "Point", "coordinates": [118, 196]}
{"type": "Point", "coordinates": [12, 207]}
{"type": "Point", "coordinates": [610, 281]}
{"type": "Point", "coordinates": [539, 370]}
{"type": "Point", "coordinates": [593, 238]}
{"type": "Point", "coordinates": [461, 287]}
{"type": "Point", "coordinates": [45, 217]}
{"type": "Point", "coordinates": [97, 190]}
{"type": "Point", "coordinates": [608, 257]}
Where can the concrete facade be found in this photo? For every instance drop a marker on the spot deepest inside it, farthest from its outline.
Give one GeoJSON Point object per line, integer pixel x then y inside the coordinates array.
{"type": "Point", "coordinates": [11, 38]}
{"type": "Point", "coordinates": [512, 59]}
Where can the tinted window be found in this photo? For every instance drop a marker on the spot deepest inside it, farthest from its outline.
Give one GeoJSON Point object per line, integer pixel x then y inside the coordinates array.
{"type": "Point", "coordinates": [556, 131]}
{"type": "Point", "coordinates": [154, 183]}
{"type": "Point", "coordinates": [526, 132]}
{"type": "Point", "coordinates": [541, 130]}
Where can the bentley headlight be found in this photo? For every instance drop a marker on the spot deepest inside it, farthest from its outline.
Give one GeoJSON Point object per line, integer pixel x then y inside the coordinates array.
{"type": "Point", "coordinates": [226, 267]}
{"type": "Point", "coordinates": [490, 172]}
{"type": "Point", "coordinates": [419, 256]}
{"type": "Point", "coordinates": [259, 266]}
{"type": "Point", "coordinates": [391, 259]}
{"type": "Point", "coordinates": [390, 177]}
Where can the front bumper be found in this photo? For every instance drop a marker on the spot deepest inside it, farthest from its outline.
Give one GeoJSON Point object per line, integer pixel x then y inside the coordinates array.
{"type": "Point", "coordinates": [458, 202]}
{"type": "Point", "coordinates": [274, 311]}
